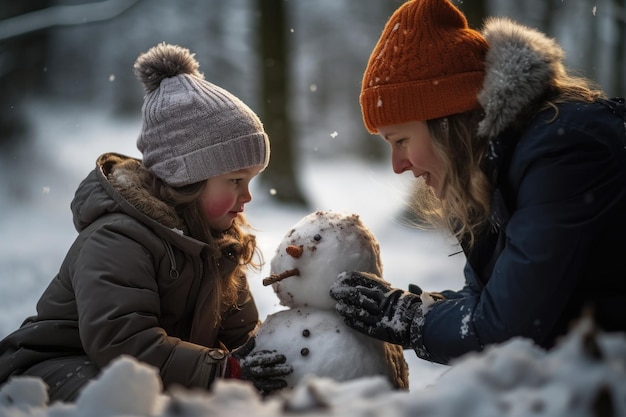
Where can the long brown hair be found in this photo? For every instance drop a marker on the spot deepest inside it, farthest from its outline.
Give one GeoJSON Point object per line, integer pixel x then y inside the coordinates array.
{"type": "Point", "coordinates": [235, 242]}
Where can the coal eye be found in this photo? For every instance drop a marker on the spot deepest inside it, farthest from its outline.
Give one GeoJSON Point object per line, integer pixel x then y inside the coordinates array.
{"type": "Point", "coordinates": [317, 238]}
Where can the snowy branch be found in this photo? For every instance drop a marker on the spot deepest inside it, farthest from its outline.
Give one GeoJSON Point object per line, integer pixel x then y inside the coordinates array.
{"type": "Point", "coordinates": [62, 16]}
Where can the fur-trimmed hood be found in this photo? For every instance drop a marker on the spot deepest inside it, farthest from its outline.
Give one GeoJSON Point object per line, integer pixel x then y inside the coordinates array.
{"type": "Point", "coordinates": [126, 179]}
{"type": "Point", "coordinates": [519, 65]}
{"type": "Point", "coordinates": [115, 186]}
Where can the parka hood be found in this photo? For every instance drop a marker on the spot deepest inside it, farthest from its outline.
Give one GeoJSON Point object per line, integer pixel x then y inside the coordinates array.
{"type": "Point", "coordinates": [519, 66]}
{"type": "Point", "coordinates": [115, 186]}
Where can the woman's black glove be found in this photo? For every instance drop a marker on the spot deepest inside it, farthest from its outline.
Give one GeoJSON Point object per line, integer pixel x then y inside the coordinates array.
{"type": "Point", "coordinates": [264, 368]}
{"type": "Point", "coordinates": [371, 306]}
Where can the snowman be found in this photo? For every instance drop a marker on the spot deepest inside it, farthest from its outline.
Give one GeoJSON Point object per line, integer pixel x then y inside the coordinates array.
{"type": "Point", "coordinates": [311, 335]}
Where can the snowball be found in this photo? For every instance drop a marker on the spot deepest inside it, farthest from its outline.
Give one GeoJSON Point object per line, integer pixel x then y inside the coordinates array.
{"type": "Point", "coordinates": [24, 392]}
{"type": "Point", "coordinates": [125, 387]}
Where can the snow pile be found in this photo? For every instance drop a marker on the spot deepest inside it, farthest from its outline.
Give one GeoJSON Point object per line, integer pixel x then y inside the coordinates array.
{"type": "Point", "coordinates": [584, 376]}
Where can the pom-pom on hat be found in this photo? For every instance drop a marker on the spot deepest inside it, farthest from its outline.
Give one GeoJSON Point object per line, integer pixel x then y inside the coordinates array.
{"type": "Point", "coordinates": [427, 64]}
{"type": "Point", "coordinates": [192, 129]}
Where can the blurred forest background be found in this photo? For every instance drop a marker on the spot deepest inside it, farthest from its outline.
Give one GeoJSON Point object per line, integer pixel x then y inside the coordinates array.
{"type": "Point", "coordinates": [297, 63]}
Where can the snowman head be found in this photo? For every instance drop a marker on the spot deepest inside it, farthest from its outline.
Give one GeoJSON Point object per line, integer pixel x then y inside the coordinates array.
{"type": "Point", "coordinates": [315, 251]}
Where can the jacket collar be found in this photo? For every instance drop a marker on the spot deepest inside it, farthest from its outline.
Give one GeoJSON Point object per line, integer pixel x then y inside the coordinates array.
{"type": "Point", "coordinates": [519, 66]}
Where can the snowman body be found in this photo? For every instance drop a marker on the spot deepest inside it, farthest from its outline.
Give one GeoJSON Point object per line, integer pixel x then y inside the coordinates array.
{"type": "Point", "coordinates": [317, 342]}
{"type": "Point", "coordinates": [311, 335]}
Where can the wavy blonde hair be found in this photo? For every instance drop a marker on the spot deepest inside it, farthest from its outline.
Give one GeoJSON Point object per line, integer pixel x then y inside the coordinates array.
{"type": "Point", "coordinates": [465, 190]}
{"type": "Point", "coordinates": [464, 208]}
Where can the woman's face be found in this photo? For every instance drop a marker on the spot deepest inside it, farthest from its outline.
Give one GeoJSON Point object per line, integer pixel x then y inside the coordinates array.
{"type": "Point", "coordinates": [224, 196]}
{"type": "Point", "coordinates": [412, 150]}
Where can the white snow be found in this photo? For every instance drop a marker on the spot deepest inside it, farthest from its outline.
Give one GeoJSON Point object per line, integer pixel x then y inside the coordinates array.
{"type": "Point", "coordinates": [465, 324]}
{"type": "Point", "coordinates": [512, 379]}
{"type": "Point", "coordinates": [583, 376]}
{"type": "Point", "coordinates": [126, 380]}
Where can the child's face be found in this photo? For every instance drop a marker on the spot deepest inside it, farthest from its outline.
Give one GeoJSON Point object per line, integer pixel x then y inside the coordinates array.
{"type": "Point", "coordinates": [224, 196]}
{"type": "Point", "coordinates": [412, 150]}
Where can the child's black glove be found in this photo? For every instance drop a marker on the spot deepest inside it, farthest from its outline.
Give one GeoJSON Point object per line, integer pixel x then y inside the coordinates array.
{"type": "Point", "coordinates": [371, 306]}
{"type": "Point", "coordinates": [264, 368]}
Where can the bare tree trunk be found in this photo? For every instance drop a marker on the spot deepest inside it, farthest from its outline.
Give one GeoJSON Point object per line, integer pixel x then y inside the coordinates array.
{"type": "Point", "coordinates": [281, 175]}
{"type": "Point", "coordinates": [475, 11]}
{"type": "Point", "coordinates": [594, 51]}
{"type": "Point", "coordinates": [620, 49]}
{"type": "Point", "coordinates": [548, 20]}
{"type": "Point", "coordinates": [22, 70]}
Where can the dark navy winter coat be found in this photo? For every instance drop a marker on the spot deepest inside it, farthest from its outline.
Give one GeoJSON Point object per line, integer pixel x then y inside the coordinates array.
{"type": "Point", "coordinates": [561, 244]}
{"type": "Point", "coordinates": [558, 245]}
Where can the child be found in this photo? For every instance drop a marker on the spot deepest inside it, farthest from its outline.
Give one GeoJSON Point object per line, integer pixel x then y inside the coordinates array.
{"type": "Point", "coordinates": [523, 162]}
{"type": "Point", "coordinates": [158, 268]}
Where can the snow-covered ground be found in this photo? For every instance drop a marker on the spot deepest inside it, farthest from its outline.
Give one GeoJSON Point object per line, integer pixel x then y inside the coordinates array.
{"type": "Point", "coordinates": [514, 379]}
{"type": "Point", "coordinates": [584, 377]}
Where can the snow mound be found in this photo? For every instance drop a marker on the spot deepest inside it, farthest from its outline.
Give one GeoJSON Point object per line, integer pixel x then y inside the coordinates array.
{"type": "Point", "coordinates": [584, 376]}
{"type": "Point", "coordinates": [24, 393]}
{"type": "Point", "coordinates": [134, 386]}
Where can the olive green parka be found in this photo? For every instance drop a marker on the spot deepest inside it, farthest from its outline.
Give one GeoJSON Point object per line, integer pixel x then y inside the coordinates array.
{"type": "Point", "coordinates": [134, 284]}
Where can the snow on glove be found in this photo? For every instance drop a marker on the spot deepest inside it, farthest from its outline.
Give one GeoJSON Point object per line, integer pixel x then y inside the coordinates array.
{"type": "Point", "coordinates": [264, 368]}
{"type": "Point", "coordinates": [371, 306]}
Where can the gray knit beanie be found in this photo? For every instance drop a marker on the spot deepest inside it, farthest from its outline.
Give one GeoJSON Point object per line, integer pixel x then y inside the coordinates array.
{"type": "Point", "coordinates": [193, 130]}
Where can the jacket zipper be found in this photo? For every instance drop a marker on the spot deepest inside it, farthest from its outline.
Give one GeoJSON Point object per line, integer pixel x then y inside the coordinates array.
{"type": "Point", "coordinates": [170, 253]}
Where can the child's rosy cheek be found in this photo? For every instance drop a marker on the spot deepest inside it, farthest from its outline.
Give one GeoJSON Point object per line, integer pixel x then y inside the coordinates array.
{"type": "Point", "coordinates": [219, 206]}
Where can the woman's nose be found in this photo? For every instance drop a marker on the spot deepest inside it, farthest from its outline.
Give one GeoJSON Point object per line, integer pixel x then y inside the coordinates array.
{"type": "Point", "coordinates": [399, 163]}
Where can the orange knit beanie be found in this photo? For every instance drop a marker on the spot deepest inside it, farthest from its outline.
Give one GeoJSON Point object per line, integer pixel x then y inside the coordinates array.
{"type": "Point", "coordinates": [427, 64]}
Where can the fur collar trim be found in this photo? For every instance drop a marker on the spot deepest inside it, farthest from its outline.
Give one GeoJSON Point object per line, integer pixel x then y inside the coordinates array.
{"type": "Point", "coordinates": [519, 65]}
{"type": "Point", "coordinates": [125, 177]}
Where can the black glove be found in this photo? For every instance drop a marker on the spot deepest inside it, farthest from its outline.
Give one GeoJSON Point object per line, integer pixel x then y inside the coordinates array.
{"type": "Point", "coordinates": [264, 368]}
{"type": "Point", "coordinates": [370, 306]}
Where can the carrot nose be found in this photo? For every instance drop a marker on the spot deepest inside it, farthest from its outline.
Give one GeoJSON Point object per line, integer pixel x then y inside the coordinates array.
{"type": "Point", "coordinates": [295, 251]}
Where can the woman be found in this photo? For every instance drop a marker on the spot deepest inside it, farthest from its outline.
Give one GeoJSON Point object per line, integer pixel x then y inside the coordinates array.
{"type": "Point", "coordinates": [523, 162]}
{"type": "Point", "coordinates": [157, 271]}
